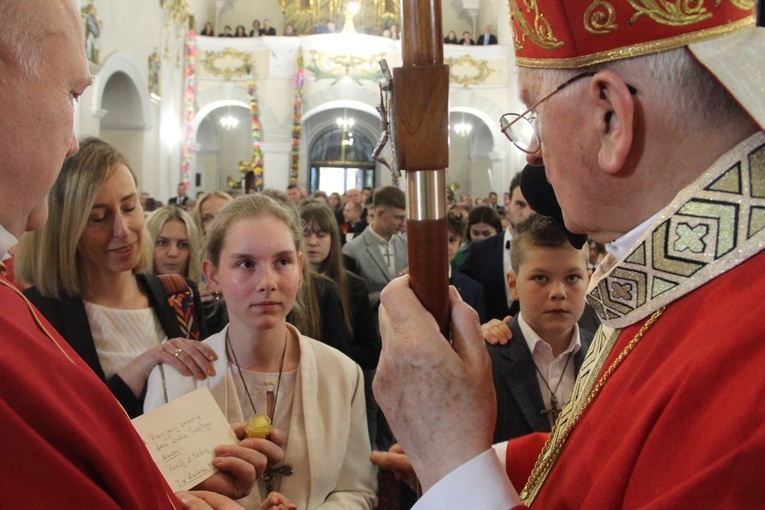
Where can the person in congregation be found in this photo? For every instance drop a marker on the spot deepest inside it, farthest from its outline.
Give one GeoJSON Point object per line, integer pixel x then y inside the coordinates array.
{"type": "Point", "coordinates": [208, 207]}
{"type": "Point", "coordinates": [240, 31]}
{"type": "Point", "coordinates": [487, 261]}
{"type": "Point", "coordinates": [267, 28]}
{"type": "Point", "coordinates": [321, 238]}
{"type": "Point", "coordinates": [208, 30]}
{"type": "Point", "coordinates": [486, 38]}
{"type": "Point", "coordinates": [467, 39]}
{"type": "Point", "coordinates": [534, 374]}
{"type": "Point", "coordinates": [313, 394]}
{"type": "Point", "coordinates": [470, 290]}
{"type": "Point", "coordinates": [87, 272]}
{"type": "Point", "coordinates": [614, 112]}
{"type": "Point", "coordinates": [255, 32]}
{"type": "Point", "coordinates": [181, 198]}
{"type": "Point", "coordinates": [353, 224]}
{"type": "Point", "coordinates": [226, 32]}
{"type": "Point", "coordinates": [176, 241]}
{"type": "Point", "coordinates": [379, 253]}
{"type": "Point", "coordinates": [289, 30]}
{"type": "Point", "coordinates": [451, 38]}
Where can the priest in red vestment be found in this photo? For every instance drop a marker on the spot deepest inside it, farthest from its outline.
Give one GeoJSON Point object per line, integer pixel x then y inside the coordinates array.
{"type": "Point", "coordinates": [648, 118]}
{"type": "Point", "coordinates": [64, 440]}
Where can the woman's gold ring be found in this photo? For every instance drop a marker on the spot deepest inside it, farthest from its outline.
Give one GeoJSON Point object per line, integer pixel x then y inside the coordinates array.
{"type": "Point", "coordinates": [177, 352]}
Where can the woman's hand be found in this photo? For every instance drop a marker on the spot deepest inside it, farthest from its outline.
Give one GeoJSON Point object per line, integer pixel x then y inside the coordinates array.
{"type": "Point", "coordinates": [189, 357]}
{"type": "Point", "coordinates": [276, 501]}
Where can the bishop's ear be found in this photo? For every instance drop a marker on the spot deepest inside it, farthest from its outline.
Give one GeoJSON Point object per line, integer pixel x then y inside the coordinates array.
{"type": "Point", "coordinates": [614, 111]}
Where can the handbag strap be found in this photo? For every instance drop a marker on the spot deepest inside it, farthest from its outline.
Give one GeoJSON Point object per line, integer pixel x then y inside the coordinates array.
{"type": "Point", "coordinates": [180, 297]}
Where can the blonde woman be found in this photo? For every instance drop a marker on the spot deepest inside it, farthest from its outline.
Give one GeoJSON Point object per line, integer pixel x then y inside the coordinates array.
{"type": "Point", "coordinates": [87, 268]}
{"type": "Point", "coordinates": [176, 243]}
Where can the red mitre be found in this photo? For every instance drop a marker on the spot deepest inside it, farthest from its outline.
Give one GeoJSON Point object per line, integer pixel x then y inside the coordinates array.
{"type": "Point", "coordinates": [578, 33]}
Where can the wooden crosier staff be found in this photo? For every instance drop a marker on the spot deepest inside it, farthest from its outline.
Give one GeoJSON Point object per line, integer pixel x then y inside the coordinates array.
{"type": "Point", "coordinates": [421, 139]}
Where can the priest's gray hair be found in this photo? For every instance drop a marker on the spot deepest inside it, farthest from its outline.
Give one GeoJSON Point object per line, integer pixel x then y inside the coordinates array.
{"type": "Point", "coordinates": [672, 82]}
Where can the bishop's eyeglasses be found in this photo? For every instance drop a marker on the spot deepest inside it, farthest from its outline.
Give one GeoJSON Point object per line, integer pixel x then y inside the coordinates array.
{"type": "Point", "coordinates": [522, 128]}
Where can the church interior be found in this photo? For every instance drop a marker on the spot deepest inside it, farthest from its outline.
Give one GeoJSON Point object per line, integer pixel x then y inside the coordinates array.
{"type": "Point", "coordinates": [293, 109]}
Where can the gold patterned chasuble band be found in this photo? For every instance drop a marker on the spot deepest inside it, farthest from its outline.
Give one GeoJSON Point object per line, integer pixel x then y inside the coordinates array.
{"type": "Point", "coordinates": [712, 226]}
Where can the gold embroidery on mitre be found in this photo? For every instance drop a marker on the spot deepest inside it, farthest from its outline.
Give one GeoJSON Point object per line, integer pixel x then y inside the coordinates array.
{"type": "Point", "coordinates": [635, 50]}
{"type": "Point", "coordinates": [599, 18]}
{"type": "Point", "coordinates": [675, 13]}
{"type": "Point", "coordinates": [541, 34]}
{"type": "Point", "coordinates": [744, 5]}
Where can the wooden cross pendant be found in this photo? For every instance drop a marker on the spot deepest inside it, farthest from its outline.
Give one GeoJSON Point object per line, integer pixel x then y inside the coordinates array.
{"type": "Point", "coordinates": [553, 411]}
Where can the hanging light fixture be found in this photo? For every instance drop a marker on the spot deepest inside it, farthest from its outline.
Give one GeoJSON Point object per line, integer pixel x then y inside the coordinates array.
{"type": "Point", "coordinates": [228, 121]}
{"type": "Point", "coordinates": [463, 128]}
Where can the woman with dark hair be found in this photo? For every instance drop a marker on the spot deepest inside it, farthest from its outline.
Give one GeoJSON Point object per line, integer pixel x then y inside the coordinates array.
{"type": "Point", "coordinates": [483, 221]}
{"type": "Point", "coordinates": [208, 30]}
{"type": "Point", "coordinates": [321, 238]}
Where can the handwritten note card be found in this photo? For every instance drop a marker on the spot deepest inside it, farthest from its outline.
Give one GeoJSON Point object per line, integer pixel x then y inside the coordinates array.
{"type": "Point", "coordinates": [181, 437]}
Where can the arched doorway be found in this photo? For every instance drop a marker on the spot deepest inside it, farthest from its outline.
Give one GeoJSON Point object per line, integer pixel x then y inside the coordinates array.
{"type": "Point", "coordinates": [340, 158]}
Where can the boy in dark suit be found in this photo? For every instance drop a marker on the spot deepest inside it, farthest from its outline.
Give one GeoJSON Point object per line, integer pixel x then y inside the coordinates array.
{"type": "Point", "coordinates": [534, 373]}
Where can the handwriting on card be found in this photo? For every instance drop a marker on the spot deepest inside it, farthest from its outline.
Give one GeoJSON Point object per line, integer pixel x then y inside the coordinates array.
{"type": "Point", "coordinates": [181, 437]}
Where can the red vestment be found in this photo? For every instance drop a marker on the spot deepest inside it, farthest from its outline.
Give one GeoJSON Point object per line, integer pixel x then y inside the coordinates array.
{"type": "Point", "coordinates": [681, 423]}
{"type": "Point", "coordinates": [66, 442]}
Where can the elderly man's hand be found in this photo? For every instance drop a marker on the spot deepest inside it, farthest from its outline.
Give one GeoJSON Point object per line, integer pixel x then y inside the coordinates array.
{"type": "Point", "coordinates": [438, 398]}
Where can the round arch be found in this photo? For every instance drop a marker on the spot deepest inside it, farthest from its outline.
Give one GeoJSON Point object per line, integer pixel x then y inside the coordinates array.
{"type": "Point", "coordinates": [120, 62]}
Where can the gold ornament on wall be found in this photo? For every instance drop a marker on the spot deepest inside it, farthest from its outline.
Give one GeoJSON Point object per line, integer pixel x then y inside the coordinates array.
{"type": "Point", "coordinates": [467, 71]}
{"type": "Point", "coordinates": [228, 63]}
{"type": "Point", "coordinates": [326, 66]}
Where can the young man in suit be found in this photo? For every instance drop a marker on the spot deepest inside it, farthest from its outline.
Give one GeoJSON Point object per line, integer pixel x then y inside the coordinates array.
{"type": "Point", "coordinates": [380, 251]}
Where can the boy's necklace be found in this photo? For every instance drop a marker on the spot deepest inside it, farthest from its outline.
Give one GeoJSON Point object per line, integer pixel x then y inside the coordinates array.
{"type": "Point", "coordinates": [553, 411]}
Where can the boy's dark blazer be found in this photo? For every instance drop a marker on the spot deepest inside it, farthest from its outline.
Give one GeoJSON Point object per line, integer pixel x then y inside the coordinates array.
{"type": "Point", "coordinates": [484, 262]}
{"type": "Point", "coordinates": [519, 399]}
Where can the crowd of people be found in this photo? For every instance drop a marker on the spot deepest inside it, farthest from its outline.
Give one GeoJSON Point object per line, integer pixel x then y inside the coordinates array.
{"type": "Point", "coordinates": [109, 313]}
{"type": "Point", "coordinates": [485, 39]}
{"type": "Point", "coordinates": [257, 30]}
